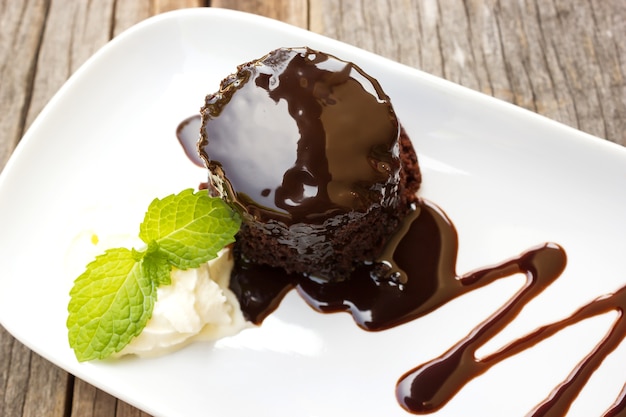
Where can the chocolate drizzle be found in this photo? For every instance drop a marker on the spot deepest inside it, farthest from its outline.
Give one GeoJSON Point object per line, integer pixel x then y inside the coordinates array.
{"type": "Point", "coordinates": [417, 275]}
{"type": "Point", "coordinates": [561, 398]}
{"type": "Point", "coordinates": [187, 133]}
{"type": "Point", "coordinates": [619, 407]}
{"type": "Point", "coordinates": [430, 386]}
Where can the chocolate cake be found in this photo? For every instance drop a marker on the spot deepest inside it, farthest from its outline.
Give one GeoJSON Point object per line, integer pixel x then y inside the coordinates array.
{"type": "Point", "coordinates": [309, 149]}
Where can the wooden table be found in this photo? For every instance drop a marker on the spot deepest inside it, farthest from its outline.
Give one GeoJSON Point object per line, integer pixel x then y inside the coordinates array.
{"type": "Point", "coordinates": [565, 59]}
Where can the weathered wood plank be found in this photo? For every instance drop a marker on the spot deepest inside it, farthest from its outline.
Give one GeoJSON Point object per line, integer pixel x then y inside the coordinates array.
{"type": "Point", "coordinates": [21, 25]}
{"type": "Point", "coordinates": [293, 12]}
{"type": "Point", "coordinates": [162, 6]}
{"type": "Point", "coordinates": [128, 13]}
{"type": "Point", "coordinates": [14, 369]}
{"type": "Point", "coordinates": [125, 410]}
{"type": "Point", "coordinates": [73, 32]}
{"type": "Point", "coordinates": [46, 394]}
{"type": "Point", "coordinates": [31, 386]}
{"type": "Point", "coordinates": [89, 401]}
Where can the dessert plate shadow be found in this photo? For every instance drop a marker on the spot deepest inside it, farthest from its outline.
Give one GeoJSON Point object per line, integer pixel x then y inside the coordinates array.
{"type": "Point", "coordinates": [105, 146]}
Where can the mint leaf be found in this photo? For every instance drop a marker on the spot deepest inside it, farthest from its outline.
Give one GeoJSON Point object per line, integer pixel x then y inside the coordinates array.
{"type": "Point", "coordinates": [110, 304]}
{"type": "Point", "coordinates": [112, 301]}
{"type": "Point", "coordinates": [189, 228]}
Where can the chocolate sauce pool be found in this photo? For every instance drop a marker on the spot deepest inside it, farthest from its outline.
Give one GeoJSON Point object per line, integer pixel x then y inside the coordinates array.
{"type": "Point", "coordinates": [188, 134]}
{"type": "Point", "coordinates": [414, 276]}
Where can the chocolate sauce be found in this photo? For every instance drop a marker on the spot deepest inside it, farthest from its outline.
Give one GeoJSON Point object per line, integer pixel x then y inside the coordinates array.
{"type": "Point", "coordinates": [415, 276]}
{"type": "Point", "coordinates": [430, 386]}
{"type": "Point", "coordinates": [619, 407]}
{"type": "Point", "coordinates": [188, 134]}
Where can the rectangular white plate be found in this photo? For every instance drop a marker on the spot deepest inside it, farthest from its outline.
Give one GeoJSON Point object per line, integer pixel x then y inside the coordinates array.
{"type": "Point", "coordinates": [509, 179]}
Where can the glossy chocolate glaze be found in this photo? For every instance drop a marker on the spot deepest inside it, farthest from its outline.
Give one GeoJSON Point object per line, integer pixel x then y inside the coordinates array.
{"type": "Point", "coordinates": [188, 133]}
{"type": "Point", "coordinates": [301, 151]}
{"type": "Point", "coordinates": [308, 148]}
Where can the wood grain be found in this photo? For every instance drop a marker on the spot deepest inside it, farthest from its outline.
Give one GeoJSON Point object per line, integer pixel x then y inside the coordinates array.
{"type": "Point", "coordinates": [21, 26]}
{"type": "Point", "coordinates": [293, 12]}
{"type": "Point", "coordinates": [565, 59]}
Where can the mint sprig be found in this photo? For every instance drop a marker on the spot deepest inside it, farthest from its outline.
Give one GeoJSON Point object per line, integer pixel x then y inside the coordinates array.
{"type": "Point", "coordinates": [112, 301]}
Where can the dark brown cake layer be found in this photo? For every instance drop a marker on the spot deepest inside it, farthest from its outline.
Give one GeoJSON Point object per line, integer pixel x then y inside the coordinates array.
{"type": "Point", "coordinates": [308, 147]}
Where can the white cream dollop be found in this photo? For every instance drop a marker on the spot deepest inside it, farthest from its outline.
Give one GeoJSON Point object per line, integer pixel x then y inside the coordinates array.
{"type": "Point", "coordinates": [197, 305]}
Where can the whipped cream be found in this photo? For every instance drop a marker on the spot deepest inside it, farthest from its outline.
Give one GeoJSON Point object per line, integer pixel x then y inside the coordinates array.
{"type": "Point", "coordinates": [197, 305]}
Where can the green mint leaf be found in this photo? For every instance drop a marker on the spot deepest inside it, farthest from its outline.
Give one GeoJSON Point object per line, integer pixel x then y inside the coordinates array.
{"type": "Point", "coordinates": [110, 303]}
{"type": "Point", "coordinates": [189, 228]}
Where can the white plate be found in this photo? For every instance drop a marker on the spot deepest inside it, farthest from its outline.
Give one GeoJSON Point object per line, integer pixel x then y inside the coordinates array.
{"type": "Point", "coordinates": [508, 178]}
